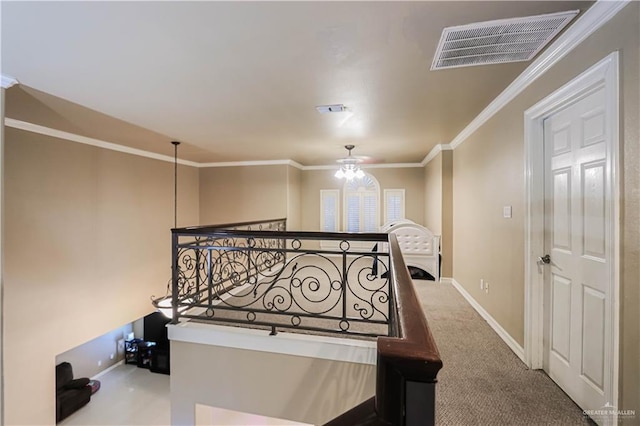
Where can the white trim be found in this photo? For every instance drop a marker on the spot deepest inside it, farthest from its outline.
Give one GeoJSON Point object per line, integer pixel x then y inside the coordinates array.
{"type": "Point", "coordinates": [366, 166]}
{"type": "Point", "coordinates": [307, 345]}
{"type": "Point", "coordinates": [594, 18]}
{"type": "Point", "coordinates": [7, 81]}
{"type": "Point", "coordinates": [446, 280]}
{"type": "Point", "coordinates": [434, 152]}
{"type": "Point", "coordinates": [254, 163]}
{"type": "Point", "coordinates": [106, 370]}
{"type": "Point", "coordinates": [390, 166]}
{"type": "Point", "coordinates": [506, 337]}
{"type": "Point", "coordinates": [604, 73]}
{"type": "Point", "coordinates": [47, 131]}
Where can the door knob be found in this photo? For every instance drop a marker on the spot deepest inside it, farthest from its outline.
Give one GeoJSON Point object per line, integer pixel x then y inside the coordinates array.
{"type": "Point", "coordinates": [546, 259]}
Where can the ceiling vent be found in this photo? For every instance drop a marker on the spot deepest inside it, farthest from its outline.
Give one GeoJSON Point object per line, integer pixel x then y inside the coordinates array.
{"type": "Point", "coordinates": [497, 42]}
{"type": "Point", "coordinates": [324, 109]}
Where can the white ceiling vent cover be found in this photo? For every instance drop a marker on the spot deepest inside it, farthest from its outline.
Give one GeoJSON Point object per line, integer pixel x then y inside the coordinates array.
{"type": "Point", "coordinates": [496, 42]}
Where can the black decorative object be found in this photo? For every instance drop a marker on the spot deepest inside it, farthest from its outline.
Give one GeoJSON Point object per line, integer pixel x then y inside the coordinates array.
{"type": "Point", "coordinates": [163, 304]}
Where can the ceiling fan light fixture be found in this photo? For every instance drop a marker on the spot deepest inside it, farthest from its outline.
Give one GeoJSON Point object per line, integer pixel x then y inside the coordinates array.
{"type": "Point", "coordinates": [350, 169]}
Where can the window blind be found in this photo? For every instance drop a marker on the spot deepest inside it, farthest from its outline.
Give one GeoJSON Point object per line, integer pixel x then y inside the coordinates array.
{"type": "Point", "coordinates": [394, 204]}
{"type": "Point", "coordinates": [329, 210]}
{"type": "Point", "coordinates": [353, 212]}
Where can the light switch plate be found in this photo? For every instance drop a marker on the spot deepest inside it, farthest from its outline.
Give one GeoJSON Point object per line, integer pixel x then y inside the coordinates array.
{"type": "Point", "coordinates": [506, 212]}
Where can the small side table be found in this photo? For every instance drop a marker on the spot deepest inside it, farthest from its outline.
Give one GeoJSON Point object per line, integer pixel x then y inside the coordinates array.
{"type": "Point", "coordinates": [145, 350]}
{"type": "Point", "coordinates": [131, 351]}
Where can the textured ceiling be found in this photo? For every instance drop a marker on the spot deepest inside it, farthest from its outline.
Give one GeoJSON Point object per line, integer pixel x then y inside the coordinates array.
{"type": "Point", "coordinates": [238, 81]}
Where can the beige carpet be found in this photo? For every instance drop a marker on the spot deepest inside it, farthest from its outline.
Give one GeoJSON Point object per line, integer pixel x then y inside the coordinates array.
{"type": "Point", "coordinates": [482, 381]}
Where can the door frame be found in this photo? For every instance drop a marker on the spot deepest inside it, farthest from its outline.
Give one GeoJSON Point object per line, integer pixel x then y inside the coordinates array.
{"type": "Point", "coordinates": [603, 74]}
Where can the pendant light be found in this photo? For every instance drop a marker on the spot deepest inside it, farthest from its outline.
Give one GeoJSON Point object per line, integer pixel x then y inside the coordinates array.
{"type": "Point", "coordinates": [164, 304]}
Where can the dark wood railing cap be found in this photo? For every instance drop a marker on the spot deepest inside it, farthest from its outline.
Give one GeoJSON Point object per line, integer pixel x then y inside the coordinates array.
{"type": "Point", "coordinates": [414, 351]}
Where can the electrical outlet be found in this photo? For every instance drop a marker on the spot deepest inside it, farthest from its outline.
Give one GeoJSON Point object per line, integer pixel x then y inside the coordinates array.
{"type": "Point", "coordinates": [112, 356]}
{"type": "Point", "coordinates": [99, 363]}
{"type": "Point", "coordinates": [481, 284]}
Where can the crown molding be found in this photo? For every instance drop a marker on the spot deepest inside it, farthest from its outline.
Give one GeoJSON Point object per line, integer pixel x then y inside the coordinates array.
{"type": "Point", "coordinates": [59, 134]}
{"type": "Point", "coordinates": [254, 163]}
{"type": "Point", "coordinates": [365, 166]}
{"type": "Point", "coordinates": [301, 167]}
{"type": "Point", "coordinates": [6, 81]}
{"type": "Point", "coordinates": [47, 131]}
{"type": "Point", "coordinates": [389, 166]}
{"type": "Point", "coordinates": [434, 152]}
{"type": "Point", "coordinates": [594, 18]}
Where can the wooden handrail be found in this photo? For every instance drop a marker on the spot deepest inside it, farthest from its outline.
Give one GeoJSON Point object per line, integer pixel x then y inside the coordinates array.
{"type": "Point", "coordinates": [415, 347]}
{"type": "Point", "coordinates": [408, 361]}
{"type": "Point", "coordinates": [413, 355]}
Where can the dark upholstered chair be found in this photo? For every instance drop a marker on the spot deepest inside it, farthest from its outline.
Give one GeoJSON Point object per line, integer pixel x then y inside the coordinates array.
{"type": "Point", "coordinates": [71, 394]}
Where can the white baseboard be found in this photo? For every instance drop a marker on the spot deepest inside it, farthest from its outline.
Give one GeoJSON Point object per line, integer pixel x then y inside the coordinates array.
{"type": "Point", "coordinates": [446, 280]}
{"type": "Point", "coordinates": [506, 337]}
{"type": "Point", "coordinates": [106, 370]}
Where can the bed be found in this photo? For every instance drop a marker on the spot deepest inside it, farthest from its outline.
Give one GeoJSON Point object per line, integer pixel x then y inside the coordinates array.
{"type": "Point", "coordinates": [419, 246]}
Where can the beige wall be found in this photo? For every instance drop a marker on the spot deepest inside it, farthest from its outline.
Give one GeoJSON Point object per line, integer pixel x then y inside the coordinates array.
{"type": "Point", "coordinates": [433, 194]}
{"type": "Point", "coordinates": [240, 194]}
{"type": "Point", "coordinates": [88, 243]}
{"type": "Point", "coordinates": [489, 174]}
{"type": "Point", "coordinates": [438, 208]}
{"type": "Point", "coordinates": [294, 194]}
{"type": "Point", "coordinates": [299, 388]}
{"type": "Point", "coordinates": [447, 214]}
{"type": "Point", "coordinates": [409, 178]}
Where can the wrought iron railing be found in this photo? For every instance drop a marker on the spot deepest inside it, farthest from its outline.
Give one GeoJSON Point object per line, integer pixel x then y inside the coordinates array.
{"type": "Point", "coordinates": [259, 275]}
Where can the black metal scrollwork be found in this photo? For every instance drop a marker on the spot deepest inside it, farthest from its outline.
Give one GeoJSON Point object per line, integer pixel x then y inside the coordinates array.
{"type": "Point", "coordinates": [283, 281]}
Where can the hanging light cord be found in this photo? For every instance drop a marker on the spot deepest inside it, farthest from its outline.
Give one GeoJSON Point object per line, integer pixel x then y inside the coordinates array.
{"type": "Point", "coordinates": [175, 183]}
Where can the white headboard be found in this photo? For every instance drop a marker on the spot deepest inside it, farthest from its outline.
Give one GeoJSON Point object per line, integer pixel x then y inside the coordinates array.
{"type": "Point", "coordinates": [389, 224]}
{"type": "Point", "coordinates": [419, 246]}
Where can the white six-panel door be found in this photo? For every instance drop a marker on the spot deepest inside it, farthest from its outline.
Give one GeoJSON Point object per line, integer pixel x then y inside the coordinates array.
{"type": "Point", "coordinates": [577, 352]}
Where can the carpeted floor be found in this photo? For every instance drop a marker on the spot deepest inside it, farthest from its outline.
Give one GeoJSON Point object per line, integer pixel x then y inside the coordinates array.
{"type": "Point", "coordinates": [482, 381]}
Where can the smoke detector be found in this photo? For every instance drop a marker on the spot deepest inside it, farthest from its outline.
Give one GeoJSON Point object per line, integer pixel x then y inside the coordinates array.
{"type": "Point", "coordinates": [496, 42]}
{"type": "Point", "coordinates": [325, 109]}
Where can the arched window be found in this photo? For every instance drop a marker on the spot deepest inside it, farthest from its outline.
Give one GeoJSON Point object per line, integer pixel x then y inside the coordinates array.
{"type": "Point", "coordinates": [361, 201]}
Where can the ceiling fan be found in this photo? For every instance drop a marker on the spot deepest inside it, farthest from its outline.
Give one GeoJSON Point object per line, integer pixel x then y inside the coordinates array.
{"type": "Point", "coordinates": [350, 167]}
